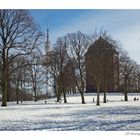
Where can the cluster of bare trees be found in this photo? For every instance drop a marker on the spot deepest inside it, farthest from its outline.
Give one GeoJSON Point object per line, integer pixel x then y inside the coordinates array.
{"type": "Point", "coordinates": [23, 67]}
{"type": "Point", "coordinates": [129, 75]}
{"type": "Point", "coordinates": [19, 36]}
{"type": "Point", "coordinates": [66, 64]}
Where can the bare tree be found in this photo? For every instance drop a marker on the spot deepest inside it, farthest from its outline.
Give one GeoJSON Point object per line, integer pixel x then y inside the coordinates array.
{"type": "Point", "coordinates": [60, 48]}
{"type": "Point", "coordinates": [52, 65]}
{"type": "Point", "coordinates": [102, 64]}
{"type": "Point", "coordinates": [36, 73]}
{"type": "Point", "coordinates": [110, 62]}
{"type": "Point", "coordinates": [94, 64]}
{"type": "Point", "coordinates": [17, 76]}
{"type": "Point", "coordinates": [126, 73]}
{"type": "Point", "coordinates": [134, 82]}
{"type": "Point", "coordinates": [18, 36]}
{"type": "Point", "coordinates": [56, 61]}
{"type": "Point", "coordinates": [69, 80]}
{"type": "Point", "coordinates": [110, 79]}
{"type": "Point", "coordinates": [77, 44]}
{"type": "Point", "coordinates": [138, 77]}
{"type": "Point", "coordinates": [18, 79]}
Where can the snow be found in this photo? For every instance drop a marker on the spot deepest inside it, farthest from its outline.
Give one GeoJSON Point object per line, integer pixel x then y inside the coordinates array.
{"type": "Point", "coordinates": [115, 115]}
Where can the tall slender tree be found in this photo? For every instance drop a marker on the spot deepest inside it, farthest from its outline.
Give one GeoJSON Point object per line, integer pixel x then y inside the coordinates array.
{"type": "Point", "coordinates": [60, 48]}
{"type": "Point", "coordinates": [36, 73]}
{"type": "Point", "coordinates": [77, 44]}
{"type": "Point", "coordinates": [126, 73]}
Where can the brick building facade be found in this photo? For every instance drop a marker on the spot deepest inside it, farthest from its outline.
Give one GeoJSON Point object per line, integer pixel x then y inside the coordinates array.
{"type": "Point", "coordinates": [109, 66]}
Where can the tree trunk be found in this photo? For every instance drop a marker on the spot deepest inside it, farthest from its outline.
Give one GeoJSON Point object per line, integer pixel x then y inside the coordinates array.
{"type": "Point", "coordinates": [8, 93]}
{"type": "Point", "coordinates": [17, 92]}
{"type": "Point", "coordinates": [65, 99]}
{"type": "Point", "coordinates": [98, 94]}
{"type": "Point", "coordinates": [24, 91]}
{"type": "Point", "coordinates": [34, 87]}
{"type": "Point", "coordinates": [56, 91]}
{"type": "Point", "coordinates": [35, 94]}
{"type": "Point", "coordinates": [4, 81]}
{"type": "Point", "coordinates": [125, 96]}
{"type": "Point", "coordinates": [104, 100]}
{"type": "Point", "coordinates": [81, 93]}
{"type": "Point", "coordinates": [64, 93]}
{"type": "Point", "coordinates": [105, 97]}
{"type": "Point", "coordinates": [126, 91]}
{"type": "Point", "coordinates": [17, 97]}
{"type": "Point", "coordinates": [58, 98]}
{"type": "Point", "coordinates": [82, 97]}
{"type": "Point", "coordinates": [58, 95]}
{"type": "Point", "coordinates": [4, 92]}
{"type": "Point", "coordinates": [21, 96]}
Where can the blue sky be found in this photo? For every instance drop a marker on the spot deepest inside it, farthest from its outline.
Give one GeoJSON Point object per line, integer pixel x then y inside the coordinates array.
{"type": "Point", "coordinates": [123, 25]}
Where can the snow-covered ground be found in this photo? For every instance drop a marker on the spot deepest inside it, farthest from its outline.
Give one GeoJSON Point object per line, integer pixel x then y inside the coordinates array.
{"type": "Point", "coordinates": [114, 115]}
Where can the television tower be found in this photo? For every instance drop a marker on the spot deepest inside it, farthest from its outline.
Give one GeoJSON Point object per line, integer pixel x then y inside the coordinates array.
{"type": "Point", "coordinates": [47, 53]}
{"type": "Point", "coordinates": [47, 43]}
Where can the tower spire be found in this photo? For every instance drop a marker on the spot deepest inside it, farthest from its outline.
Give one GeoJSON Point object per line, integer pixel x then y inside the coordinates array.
{"type": "Point", "coordinates": [47, 35]}
{"type": "Point", "coordinates": [47, 43]}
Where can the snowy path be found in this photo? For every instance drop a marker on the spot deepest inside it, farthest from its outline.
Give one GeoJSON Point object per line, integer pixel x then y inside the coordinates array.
{"type": "Point", "coordinates": [115, 115]}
